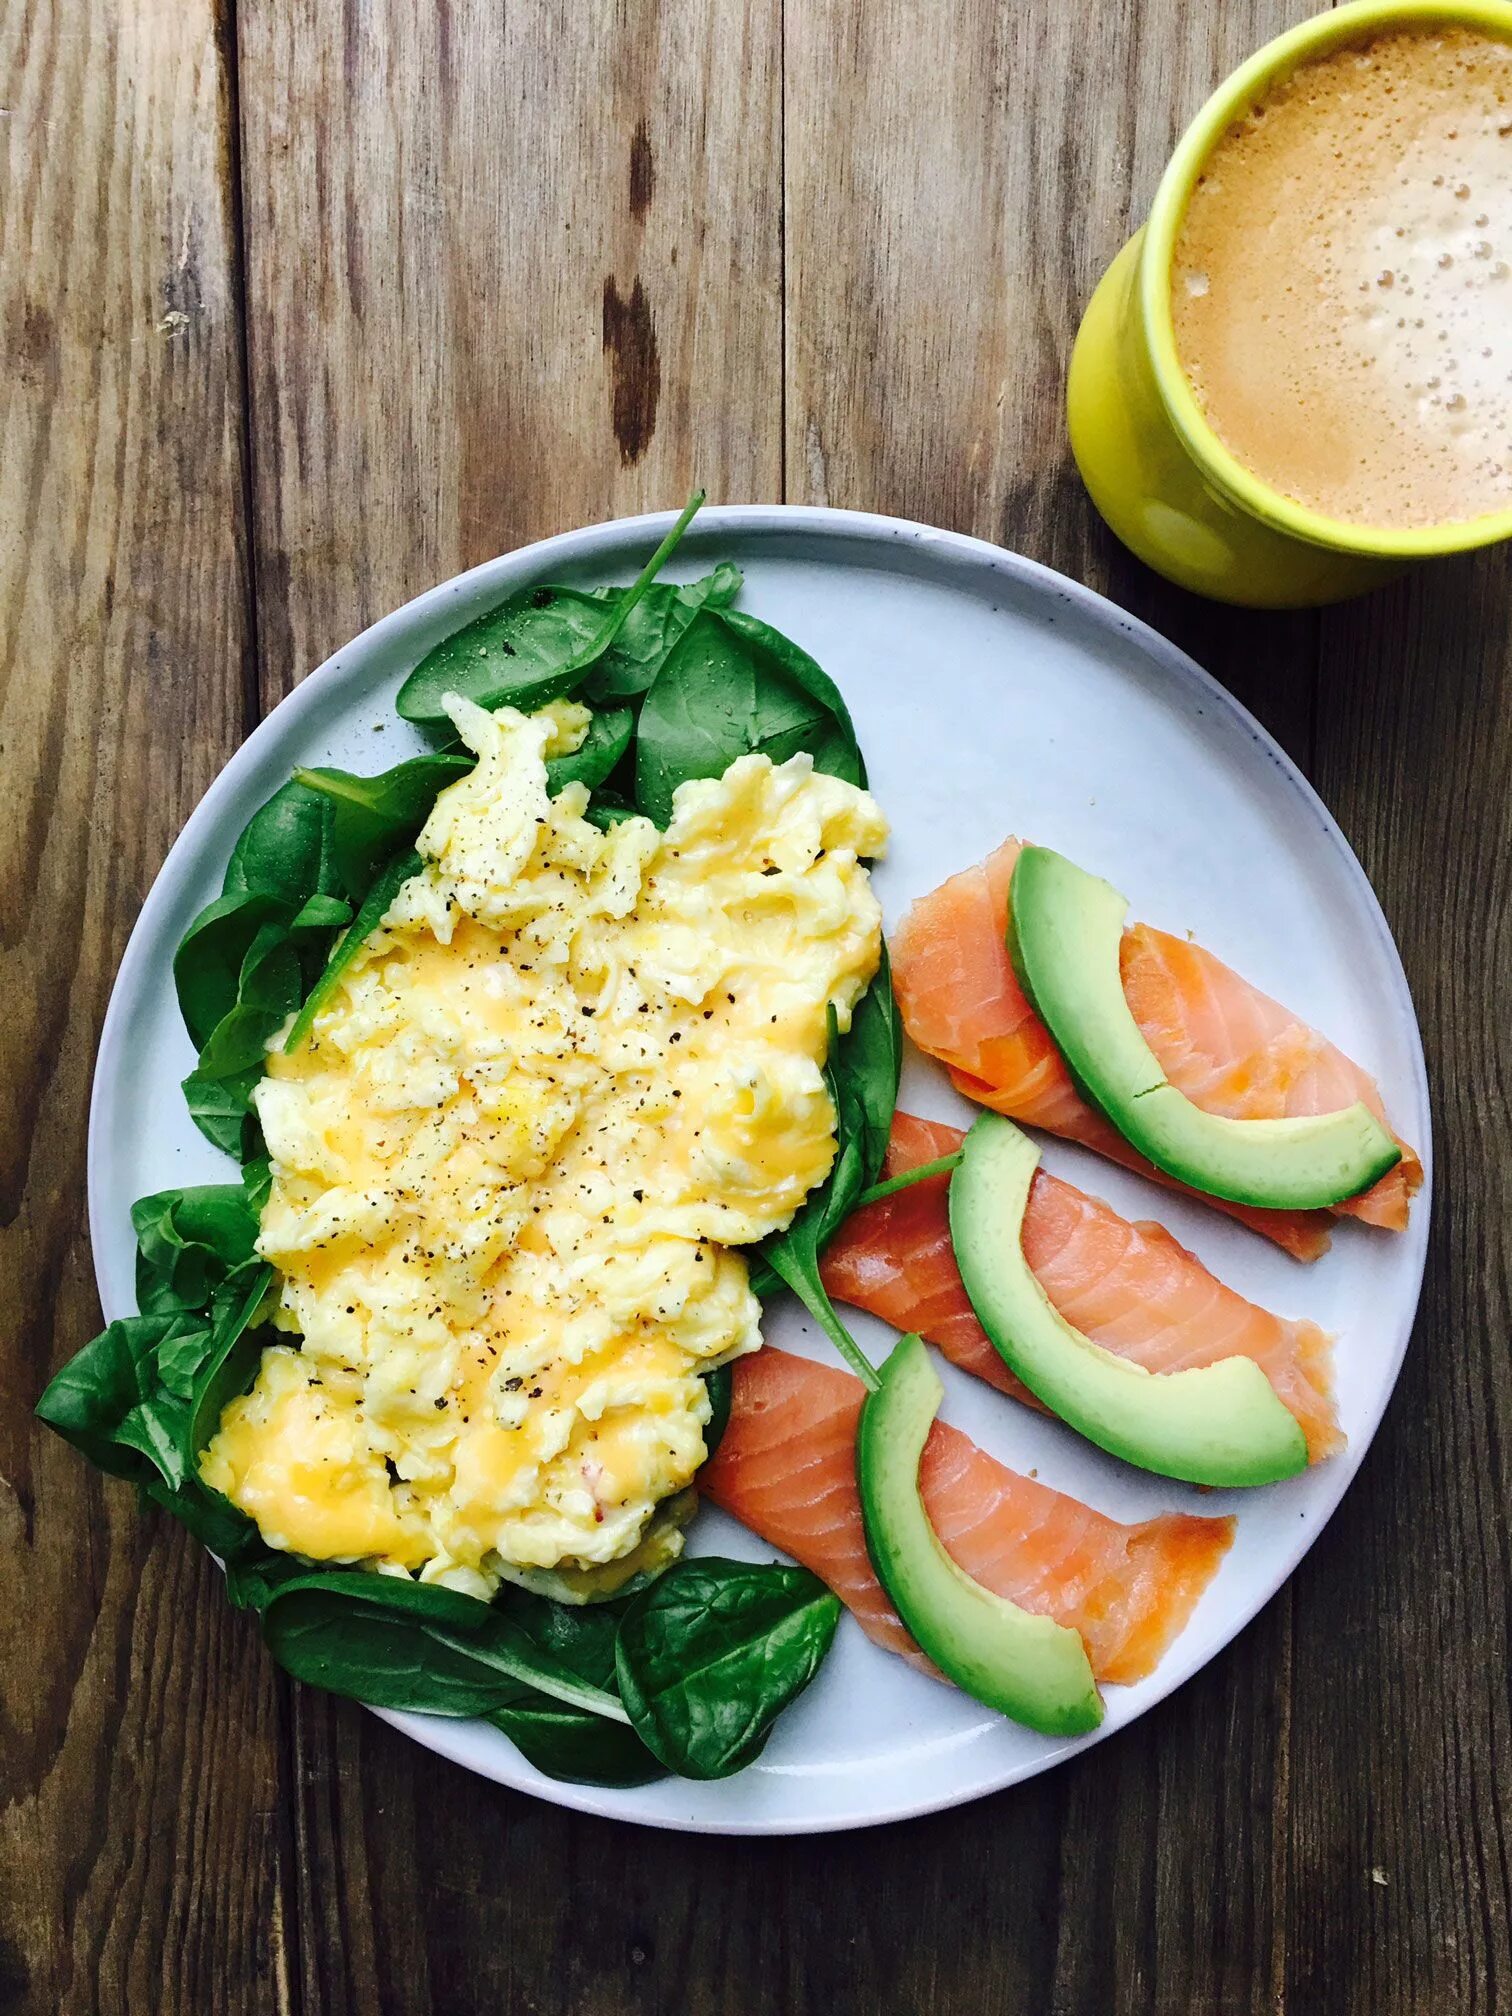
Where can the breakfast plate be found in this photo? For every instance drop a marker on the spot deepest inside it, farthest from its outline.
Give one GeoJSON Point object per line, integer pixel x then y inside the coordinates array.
{"type": "Point", "coordinates": [990, 696]}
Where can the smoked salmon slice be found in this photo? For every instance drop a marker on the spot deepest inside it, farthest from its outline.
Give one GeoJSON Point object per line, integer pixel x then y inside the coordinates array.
{"type": "Point", "coordinates": [1228, 1047]}
{"type": "Point", "coordinates": [786, 1468]}
{"type": "Point", "coordinates": [1130, 1287]}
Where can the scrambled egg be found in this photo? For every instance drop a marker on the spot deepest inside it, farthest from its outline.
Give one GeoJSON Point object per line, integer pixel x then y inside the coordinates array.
{"type": "Point", "coordinates": [566, 1076]}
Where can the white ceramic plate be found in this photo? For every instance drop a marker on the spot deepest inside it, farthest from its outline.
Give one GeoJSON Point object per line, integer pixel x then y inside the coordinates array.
{"type": "Point", "coordinates": [991, 696]}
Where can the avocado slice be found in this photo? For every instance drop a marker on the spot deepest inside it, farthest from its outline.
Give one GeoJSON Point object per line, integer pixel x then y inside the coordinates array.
{"type": "Point", "coordinates": [1064, 931]}
{"type": "Point", "coordinates": [1220, 1424]}
{"type": "Point", "coordinates": [1023, 1665]}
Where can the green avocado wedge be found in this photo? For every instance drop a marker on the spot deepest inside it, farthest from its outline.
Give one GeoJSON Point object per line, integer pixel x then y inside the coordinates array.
{"type": "Point", "coordinates": [1064, 931]}
{"type": "Point", "coordinates": [1219, 1424]}
{"type": "Point", "coordinates": [1021, 1664]}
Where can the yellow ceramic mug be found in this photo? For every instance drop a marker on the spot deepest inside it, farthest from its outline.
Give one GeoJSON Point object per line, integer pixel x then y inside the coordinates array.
{"type": "Point", "coordinates": [1155, 469]}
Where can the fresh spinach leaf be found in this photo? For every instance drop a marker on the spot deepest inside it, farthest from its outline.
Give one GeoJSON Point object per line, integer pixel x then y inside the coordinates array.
{"type": "Point", "coordinates": [720, 1386]}
{"type": "Point", "coordinates": [578, 1636]}
{"type": "Point", "coordinates": [267, 1582]}
{"type": "Point", "coordinates": [207, 968]}
{"type": "Point", "coordinates": [285, 849]}
{"type": "Point", "coordinates": [567, 1744]}
{"type": "Point", "coordinates": [403, 1644]}
{"type": "Point", "coordinates": [732, 686]}
{"type": "Point", "coordinates": [863, 1080]}
{"type": "Point", "coordinates": [605, 812]}
{"type": "Point", "coordinates": [221, 1108]}
{"type": "Point", "coordinates": [539, 645]}
{"type": "Point", "coordinates": [711, 1654]}
{"type": "Point", "coordinates": [608, 738]}
{"type": "Point", "coordinates": [268, 989]}
{"type": "Point", "coordinates": [522, 653]}
{"type": "Point", "coordinates": [372, 817]}
{"type": "Point", "coordinates": [214, 1521]}
{"type": "Point", "coordinates": [188, 1241]}
{"type": "Point", "coordinates": [561, 1740]}
{"type": "Point", "coordinates": [231, 1360]}
{"type": "Point", "coordinates": [369, 1652]}
{"type": "Point", "coordinates": [364, 924]}
{"type": "Point", "coordinates": [630, 664]}
{"type": "Point", "coordinates": [278, 963]}
{"type": "Point", "coordinates": [257, 1182]}
{"type": "Point", "coordinates": [119, 1406]}
{"type": "Point", "coordinates": [868, 1063]}
{"type": "Point", "coordinates": [506, 1650]}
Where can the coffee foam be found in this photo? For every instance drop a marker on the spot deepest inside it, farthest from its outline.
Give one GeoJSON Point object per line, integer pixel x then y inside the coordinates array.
{"type": "Point", "coordinates": [1342, 285]}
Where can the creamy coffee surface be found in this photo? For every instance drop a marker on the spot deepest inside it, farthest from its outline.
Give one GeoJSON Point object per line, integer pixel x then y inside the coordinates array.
{"type": "Point", "coordinates": [1342, 286]}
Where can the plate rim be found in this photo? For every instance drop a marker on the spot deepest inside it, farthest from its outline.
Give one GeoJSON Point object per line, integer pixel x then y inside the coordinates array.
{"type": "Point", "coordinates": [821, 522]}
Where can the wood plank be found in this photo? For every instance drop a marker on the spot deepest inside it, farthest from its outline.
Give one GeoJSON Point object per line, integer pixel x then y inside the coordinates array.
{"type": "Point", "coordinates": [1400, 1885]}
{"type": "Point", "coordinates": [139, 1822]}
{"type": "Point", "coordinates": [947, 221]}
{"type": "Point", "coordinates": [510, 271]}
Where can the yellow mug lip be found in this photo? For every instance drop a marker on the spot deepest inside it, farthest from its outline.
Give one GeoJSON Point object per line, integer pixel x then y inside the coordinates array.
{"type": "Point", "coordinates": [1247, 84]}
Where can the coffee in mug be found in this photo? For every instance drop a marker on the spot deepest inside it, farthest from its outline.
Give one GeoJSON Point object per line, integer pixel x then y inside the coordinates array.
{"type": "Point", "coordinates": [1341, 289]}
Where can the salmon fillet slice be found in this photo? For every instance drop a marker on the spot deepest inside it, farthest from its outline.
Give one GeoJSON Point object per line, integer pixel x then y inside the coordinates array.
{"type": "Point", "coordinates": [786, 1468]}
{"type": "Point", "coordinates": [1130, 1287]}
{"type": "Point", "coordinates": [1225, 1045]}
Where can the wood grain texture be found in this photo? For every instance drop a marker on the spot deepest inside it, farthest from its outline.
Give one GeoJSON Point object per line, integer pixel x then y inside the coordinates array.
{"type": "Point", "coordinates": [510, 268]}
{"type": "Point", "coordinates": [139, 1795]}
{"type": "Point", "coordinates": [1403, 1758]}
{"type": "Point", "coordinates": [946, 222]}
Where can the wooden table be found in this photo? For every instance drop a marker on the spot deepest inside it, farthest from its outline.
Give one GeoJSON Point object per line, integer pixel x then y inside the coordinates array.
{"type": "Point", "coordinates": [306, 307]}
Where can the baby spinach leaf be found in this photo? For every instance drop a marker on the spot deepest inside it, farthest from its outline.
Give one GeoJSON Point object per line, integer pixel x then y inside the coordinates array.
{"type": "Point", "coordinates": [231, 1360]}
{"type": "Point", "coordinates": [373, 816]}
{"type": "Point", "coordinates": [364, 924]}
{"type": "Point", "coordinates": [268, 989]}
{"type": "Point", "coordinates": [579, 1636]}
{"type": "Point", "coordinates": [508, 1651]}
{"type": "Point", "coordinates": [188, 1241]}
{"type": "Point", "coordinates": [520, 654]}
{"type": "Point", "coordinates": [221, 1107]}
{"type": "Point", "coordinates": [214, 1521]}
{"type": "Point", "coordinates": [321, 913]}
{"type": "Point", "coordinates": [711, 1654]}
{"type": "Point", "coordinates": [580, 1749]}
{"type": "Point", "coordinates": [207, 967]}
{"type": "Point", "coordinates": [563, 1741]}
{"type": "Point", "coordinates": [606, 812]}
{"type": "Point", "coordinates": [257, 1182]}
{"type": "Point", "coordinates": [285, 849]}
{"type": "Point", "coordinates": [113, 1402]}
{"type": "Point", "coordinates": [539, 645]}
{"type": "Point", "coordinates": [264, 1582]}
{"type": "Point", "coordinates": [638, 653]}
{"type": "Point", "coordinates": [129, 1394]}
{"type": "Point", "coordinates": [608, 738]}
{"type": "Point", "coordinates": [278, 962]}
{"type": "Point", "coordinates": [863, 1080]}
{"type": "Point", "coordinates": [370, 1653]}
{"type": "Point", "coordinates": [720, 1386]}
{"type": "Point", "coordinates": [402, 1644]}
{"type": "Point", "coordinates": [868, 1063]}
{"type": "Point", "coordinates": [732, 686]}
